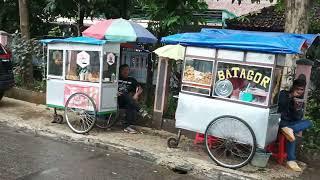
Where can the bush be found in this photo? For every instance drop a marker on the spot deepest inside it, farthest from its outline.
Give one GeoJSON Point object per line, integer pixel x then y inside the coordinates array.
{"type": "Point", "coordinates": [26, 52]}
{"type": "Point", "coordinates": [312, 136]}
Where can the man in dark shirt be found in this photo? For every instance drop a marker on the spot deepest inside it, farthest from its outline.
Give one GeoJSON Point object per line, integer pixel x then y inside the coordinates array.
{"type": "Point", "coordinates": [129, 92]}
{"type": "Point", "coordinates": [291, 107]}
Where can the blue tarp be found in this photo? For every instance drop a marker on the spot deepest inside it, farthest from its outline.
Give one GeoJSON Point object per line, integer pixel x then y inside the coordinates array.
{"type": "Point", "coordinates": [269, 42]}
{"type": "Point", "coordinates": [82, 40]}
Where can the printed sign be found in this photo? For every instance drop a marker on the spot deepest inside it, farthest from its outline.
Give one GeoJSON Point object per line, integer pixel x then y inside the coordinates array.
{"type": "Point", "coordinates": [251, 75]}
{"type": "Point", "coordinates": [80, 101]}
{"type": "Point", "coordinates": [83, 59]}
{"type": "Point", "coordinates": [111, 58]}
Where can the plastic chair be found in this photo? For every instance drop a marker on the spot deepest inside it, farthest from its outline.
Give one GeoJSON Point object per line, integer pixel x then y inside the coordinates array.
{"type": "Point", "coordinates": [200, 139]}
{"type": "Point", "coordinates": [278, 148]}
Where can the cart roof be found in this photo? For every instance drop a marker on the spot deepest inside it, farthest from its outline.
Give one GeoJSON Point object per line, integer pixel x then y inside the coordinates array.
{"type": "Point", "coordinates": [81, 40]}
{"type": "Point", "coordinates": [269, 42]}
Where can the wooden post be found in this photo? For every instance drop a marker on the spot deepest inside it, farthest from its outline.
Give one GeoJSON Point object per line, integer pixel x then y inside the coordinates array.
{"type": "Point", "coordinates": [162, 92]}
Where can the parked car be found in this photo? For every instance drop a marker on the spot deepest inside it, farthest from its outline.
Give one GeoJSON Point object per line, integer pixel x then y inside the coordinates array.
{"type": "Point", "coordinates": [6, 73]}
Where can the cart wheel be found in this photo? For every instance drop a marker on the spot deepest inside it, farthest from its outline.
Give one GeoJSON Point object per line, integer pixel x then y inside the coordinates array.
{"type": "Point", "coordinates": [58, 118]}
{"type": "Point", "coordinates": [230, 142]}
{"type": "Point", "coordinates": [172, 142]}
{"type": "Point", "coordinates": [80, 113]}
{"type": "Point", "coordinates": [108, 122]}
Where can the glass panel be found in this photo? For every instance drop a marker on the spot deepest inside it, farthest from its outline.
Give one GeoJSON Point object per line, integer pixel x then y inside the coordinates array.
{"type": "Point", "coordinates": [243, 82]}
{"type": "Point", "coordinates": [55, 62]}
{"type": "Point", "coordinates": [198, 71]}
{"type": "Point", "coordinates": [83, 66]}
{"type": "Point", "coordinates": [276, 84]}
{"type": "Point", "coordinates": [110, 67]}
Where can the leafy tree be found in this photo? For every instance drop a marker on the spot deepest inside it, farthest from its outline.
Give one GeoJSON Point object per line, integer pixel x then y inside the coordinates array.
{"type": "Point", "coordinates": [171, 16]}
{"type": "Point", "coordinates": [80, 9]}
{"type": "Point", "coordinates": [9, 15]}
{"type": "Point", "coordinates": [39, 23]}
{"type": "Point", "coordinates": [23, 50]}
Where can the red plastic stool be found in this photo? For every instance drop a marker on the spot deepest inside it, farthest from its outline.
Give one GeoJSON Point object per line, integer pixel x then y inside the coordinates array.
{"type": "Point", "coordinates": [200, 139]}
{"type": "Point", "coordinates": [278, 148]}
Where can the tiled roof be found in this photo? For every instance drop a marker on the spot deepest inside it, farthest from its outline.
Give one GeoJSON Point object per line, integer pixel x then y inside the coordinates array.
{"type": "Point", "coordinates": [268, 19]}
{"type": "Point", "coordinates": [245, 7]}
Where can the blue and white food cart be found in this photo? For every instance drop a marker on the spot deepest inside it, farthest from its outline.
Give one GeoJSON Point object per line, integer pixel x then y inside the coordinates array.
{"type": "Point", "coordinates": [82, 75]}
{"type": "Point", "coordinates": [83, 72]}
{"type": "Point", "coordinates": [230, 85]}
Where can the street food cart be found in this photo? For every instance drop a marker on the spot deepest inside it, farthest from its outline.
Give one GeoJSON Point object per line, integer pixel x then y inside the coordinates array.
{"type": "Point", "coordinates": [82, 75]}
{"type": "Point", "coordinates": [230, 85]}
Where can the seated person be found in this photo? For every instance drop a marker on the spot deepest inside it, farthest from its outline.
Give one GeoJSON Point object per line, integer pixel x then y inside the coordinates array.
{"type": "Point", "coordinates": [129, 92]}
{"type": "Point", "coordinates": [291, 107]}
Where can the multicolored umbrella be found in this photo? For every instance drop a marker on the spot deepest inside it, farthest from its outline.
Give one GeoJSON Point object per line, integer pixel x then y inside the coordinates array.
{"type": "Point", "coordinates": [120, 30]}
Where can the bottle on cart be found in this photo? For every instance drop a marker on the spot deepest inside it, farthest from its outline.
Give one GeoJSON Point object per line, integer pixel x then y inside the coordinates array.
{"type": "Point", "coordinates": [113, 77]}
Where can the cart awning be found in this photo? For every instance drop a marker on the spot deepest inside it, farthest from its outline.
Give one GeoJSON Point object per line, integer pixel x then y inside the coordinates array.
{"type": "Point", "coordinates": [82, 40]}
{"type": "Point", "coordinates": [269, 42]}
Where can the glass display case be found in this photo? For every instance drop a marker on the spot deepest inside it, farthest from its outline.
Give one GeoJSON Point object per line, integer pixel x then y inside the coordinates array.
{"type": "Point", "coordinates": [83, 66]}
{"type": "Point", "coordinates": [109, 67]}
{"type": "Point", "coordinates": [55, 65]}
{"type": "Point", "coordinates": [240, 82]}
{"type": "Point", "coordinates": [197, 76]}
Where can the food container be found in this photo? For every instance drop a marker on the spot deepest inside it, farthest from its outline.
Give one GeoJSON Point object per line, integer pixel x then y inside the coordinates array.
{"type": "Point", "coordinates": [260, 158]}
{"type": "Point", "coordinates": [245, 96]}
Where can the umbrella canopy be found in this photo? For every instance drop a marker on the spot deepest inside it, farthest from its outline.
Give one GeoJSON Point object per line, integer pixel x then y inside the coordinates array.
{"type": "Point", "coordinates": [175, 52]}
{"type": "Point", "coordinates": [120, 30]}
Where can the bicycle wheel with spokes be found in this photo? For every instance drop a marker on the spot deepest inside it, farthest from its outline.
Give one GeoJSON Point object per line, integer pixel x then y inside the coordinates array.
{"type": "Point", "coordinates": [80, 113]}
{"type": "Point", "coordinates": [107, 122]}
{"type": "Point", "coordinates": [230, 142]}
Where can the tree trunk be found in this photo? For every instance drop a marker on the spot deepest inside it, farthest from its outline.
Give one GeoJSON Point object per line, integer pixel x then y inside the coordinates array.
{"type": "Point", "coordinates": [27, 73]}
{"type": "Point", "coordinates": [80, 18]}
{"type": "Point", "coordinates": [297, 20]}
{"type": "Point", "coordinates": [24, 18]}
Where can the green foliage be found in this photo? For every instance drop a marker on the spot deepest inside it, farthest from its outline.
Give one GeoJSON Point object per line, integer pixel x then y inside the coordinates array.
{"type": "Point", "coordinates": [39, 20]}
{"type": "Point", "coordinates": [89, 8]}
{"type": "Point", "coordinates": [172, 106]}
{"type": "Point", "coordinates": [312, 136]}
{"type": "Point", "coordinates": [314, 20]}
{"type": "Point", "coordinates": [23, 50]}
{"type": "Point", "coordinates": [171, 16]}
{"type": "Point", "coordinates": [56, 31]}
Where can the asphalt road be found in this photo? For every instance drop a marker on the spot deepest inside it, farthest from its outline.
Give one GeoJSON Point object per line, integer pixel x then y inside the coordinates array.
{"type": "Point", "coordinates": [28, 157]}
